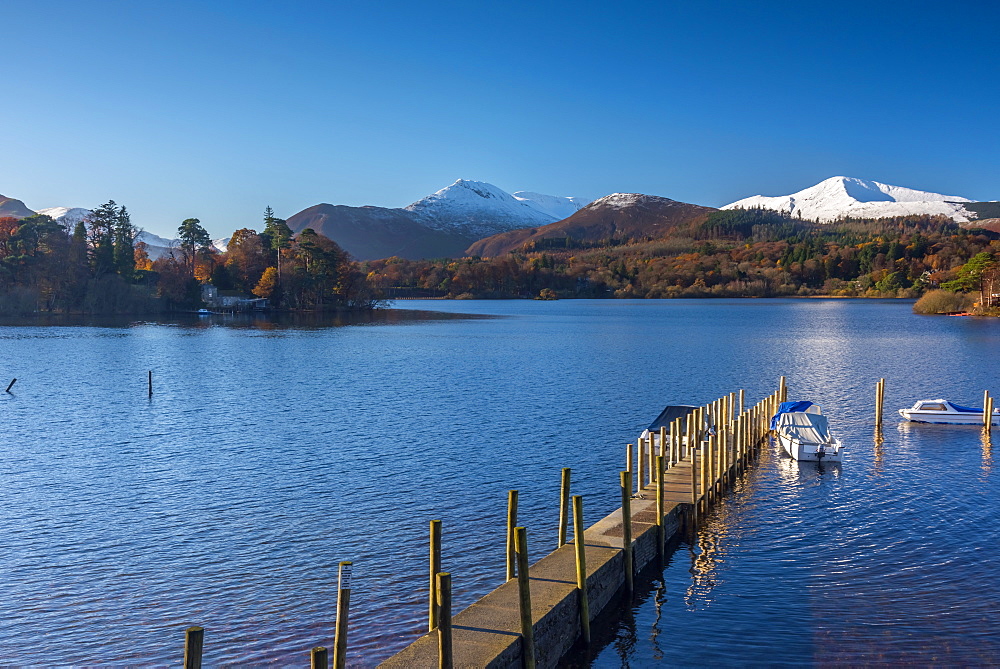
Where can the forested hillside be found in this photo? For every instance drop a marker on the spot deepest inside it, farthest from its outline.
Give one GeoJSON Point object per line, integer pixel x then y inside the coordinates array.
{"type": "Point", "coordinates": [734, 253]}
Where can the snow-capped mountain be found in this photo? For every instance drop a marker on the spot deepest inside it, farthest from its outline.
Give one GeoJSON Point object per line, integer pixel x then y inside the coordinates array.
{"type": "Point", "coordinates": [68, 216]}
{"type": "Point", "coordinates": [839, 197]}
{"type": "Point", "coordinates": [477, 209]}
{"type": "Point", "coordinates": [556, 207]}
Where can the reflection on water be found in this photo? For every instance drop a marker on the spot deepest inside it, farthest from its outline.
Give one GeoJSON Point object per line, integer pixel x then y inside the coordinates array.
{"type": "Point", "coordinates": [986, 438]}
{"type": "Point", "coordinates": [270, 451]}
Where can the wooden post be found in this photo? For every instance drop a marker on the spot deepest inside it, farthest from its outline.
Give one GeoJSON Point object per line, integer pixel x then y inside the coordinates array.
{"type": "Point", "coordinates": [343, 606]}
{"type": "Point", "coordinates": [581, 567]}
{"type": "Point", "coordinates": [511, 524]}
{"type": "Point", "coordinates": [319, 658]}
{"type": "Point", "coordinates": [564, 506]}
{"type": "Point", "coordinates": [641, 456]}
{"type": "Point", "coordinates": [445, 656]}
{"type": "Point", "coordinates": [879, 389]}
{"type": "Point", "coordinates": [194, 643]}
{"type": "Point", "coordinates": [782, 391]}
{"type": "Point", "coordinates": [651, 458]}
{"type": "Point", "coordinates": [694, 479]}
{"type": "Point", "coordinates": [659, 506]}
{"type": "Point", "coordinates": [986, 410]}
{"type": "Point", "coordinates": [626, 481]}
{"type": "Point", "coordinates": [150, 383]}
{"type": "Point", "coordinates": [435, 543]}
{"type": "Point", "coordinates": [742, 403]}
{"type": "Point", "coordinates": [629, 465]}
{"type": "Point", "coordinates": [688, 435]}
{"type": "Point", "coordinates": [11, 384]}
{"type": "Point", "coordinates": [524, 598]}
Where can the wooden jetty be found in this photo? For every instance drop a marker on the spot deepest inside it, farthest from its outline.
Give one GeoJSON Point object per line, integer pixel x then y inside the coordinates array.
{"type": "Point", "coordinates": [537, 617]}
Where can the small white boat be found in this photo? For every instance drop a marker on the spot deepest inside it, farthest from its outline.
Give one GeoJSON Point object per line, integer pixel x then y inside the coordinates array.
{"type": "Point", "coordinates": [946, 413]}
{"type": "Point", "coordinates": [804, 432]}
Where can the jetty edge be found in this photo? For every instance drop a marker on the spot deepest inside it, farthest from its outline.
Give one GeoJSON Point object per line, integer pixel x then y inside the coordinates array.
{"type": "Point", "coordinates": [681, 487]}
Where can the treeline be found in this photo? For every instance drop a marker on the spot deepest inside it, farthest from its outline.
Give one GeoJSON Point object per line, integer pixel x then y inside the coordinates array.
{"type": "Point", "coordinates": [100, 266]}
{"type": "Point", "coordinates": [741, 253]}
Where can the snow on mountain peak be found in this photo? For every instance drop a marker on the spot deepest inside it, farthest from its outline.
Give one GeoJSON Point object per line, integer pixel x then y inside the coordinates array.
{"type": "Point", "coordinates": [556, 207]}
{"type": "Point", "coordinates": [839, 197]}
{"type": "Point", "coordinates": [68, 216]}
{"type": "Point", "coordinates": [478, 209]}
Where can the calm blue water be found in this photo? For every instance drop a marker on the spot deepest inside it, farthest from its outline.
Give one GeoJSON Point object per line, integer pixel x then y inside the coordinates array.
{"type": "Point", "coordinates": [268, 454]}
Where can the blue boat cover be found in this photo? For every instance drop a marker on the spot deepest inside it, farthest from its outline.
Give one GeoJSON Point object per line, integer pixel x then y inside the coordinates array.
{"type": "Point", "coordinates": [788, 407]}
{"type": "Point", "coordinates": [965, 409]}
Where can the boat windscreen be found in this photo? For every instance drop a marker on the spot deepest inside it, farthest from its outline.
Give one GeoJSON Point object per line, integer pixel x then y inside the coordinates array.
{"type": "Point", "coordinates": [669, 415]}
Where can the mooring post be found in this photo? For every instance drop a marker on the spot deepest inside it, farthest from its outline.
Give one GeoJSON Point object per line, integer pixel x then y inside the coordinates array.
{"type": "Point", "coordinates": [11, 384]}
{"type": "Point", "coordinates": [445, 656]}
{"type": "Point", "coordinates": [524, 598]}
{"type": "Point", "coordinates": [564, 506]}
{"type": "Point", "coordinates": [694, 479]}
{"type": "Point", "coordinates": [511, 524]}
{"type": "Point", "coordinates": [659, 506]}
{"type": "Point", "coordinates": [987, 419]}
{"type": "Point", "coordinates": [626, 482]}
{"type": "Point", "coordinates": [343, 606]}
{"type": "Point", "coordinates": [664, 447]}
{"type": "Point", "coordinates": [319, 658]}
{"type": "Point", "coordinates": [879, 396]}
{"type": "Point", "coordinates": [782, 391]}
{"type": "Point", "coordinates": [629, 464]}
{"type": "Point", "coordinates": [194, 644]}
{"type": "Point", "coordinates": [641, 456]}
{"type": "Point", "coordinates": [742, 403]}
{"type": "Point", "coordinates": [150, 378]}
{"type": "Point", "coordinates": [581, 567]}
{"type": "Point", "coordinates": [651, 458]}
{"type": "Point", "coordinates": [435, 568]}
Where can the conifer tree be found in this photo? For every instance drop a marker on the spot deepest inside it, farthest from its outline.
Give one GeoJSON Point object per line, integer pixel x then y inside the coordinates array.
{"type": "Point", "coordinates": [194, 240]}
{"type": "Point", "coordinates": [124, 240]}
{"type": "Point", "coordinates": [101, 238]}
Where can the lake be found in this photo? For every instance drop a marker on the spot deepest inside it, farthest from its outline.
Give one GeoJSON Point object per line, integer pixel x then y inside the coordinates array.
{"type": "Point", "coordinates": [273, 449]}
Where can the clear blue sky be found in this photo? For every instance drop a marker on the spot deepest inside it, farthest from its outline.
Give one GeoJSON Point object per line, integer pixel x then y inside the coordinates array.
{"type": "Point", "coordinates": [216, 109]}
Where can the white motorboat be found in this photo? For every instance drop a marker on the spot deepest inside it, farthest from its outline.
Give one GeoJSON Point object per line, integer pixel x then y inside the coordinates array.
{"type": "Point", "coordinates": [804, 432]}
{"type": "Point", "coordinates": [946, 413]}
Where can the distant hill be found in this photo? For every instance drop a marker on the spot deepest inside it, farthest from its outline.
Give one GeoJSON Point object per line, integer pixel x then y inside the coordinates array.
{"type": "Point", "coordinates": [440, 225]}
{"type": "Point", "coordinates": [11, 207]}
{"type": "Point", "coordinates": [368, 233]}
{"type": "Point", "coordinates": [984, 210]}
{"type": "Point", "coordinates": [618, 216]}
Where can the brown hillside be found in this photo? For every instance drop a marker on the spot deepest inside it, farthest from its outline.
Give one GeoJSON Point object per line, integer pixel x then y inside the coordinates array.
{"type": "Point", "coordinates": [11, 207]}
{"type": "Point", "coordinates": [617, 216]}
{"type": "Point", "coordinates": [369, 233]}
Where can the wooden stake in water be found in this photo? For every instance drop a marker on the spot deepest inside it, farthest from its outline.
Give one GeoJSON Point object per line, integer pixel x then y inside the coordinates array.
{"type": "Point", "coordinates": [742, 403]}
{"type": "Point", "coordinates": [435, 568]}
{"type": "Point", "coordinates": [150, 383]}
{"type": "Point", "coordinates": [11, 384]}
{"type": "Point", "coordinates": [564, 506]}
{"type": "Point", "coordinates": [628, 460]}
{"type": "Point", "coordinates": [319, 658]}
{"type": "Point", "coordinates": [524, 598]}
{"type": "Point", "coordinates": [581, 567]}
{"type": "Point", "coordinates": [511, 524]}
{"type": "Point", "coordinates": [343, 606]}
{"type": "Point", "coordinates": [445, 656]}
{"type": "Point", "coordinates": [194, 643]}
{"type": "Point", "coordinates": [626, 482]}
{"type": "Point", "coordinates": [987, 412]}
